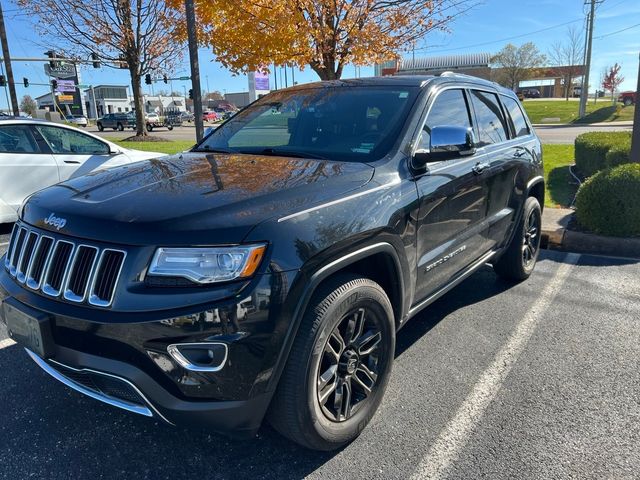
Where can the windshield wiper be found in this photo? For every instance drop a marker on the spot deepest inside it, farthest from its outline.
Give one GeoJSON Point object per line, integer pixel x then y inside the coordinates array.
{"type": "Point", "coordinates": [207, 148]}
{"type": "Point", "coordinates": [289, 153]}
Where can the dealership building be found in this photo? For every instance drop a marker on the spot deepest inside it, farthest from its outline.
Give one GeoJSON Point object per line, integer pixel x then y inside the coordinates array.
{"type": "Point", "coordinates": [548, 80]}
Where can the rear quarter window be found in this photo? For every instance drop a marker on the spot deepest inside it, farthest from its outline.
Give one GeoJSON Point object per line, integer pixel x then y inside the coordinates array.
{"type": "Point", "coordinates": [516, 116]}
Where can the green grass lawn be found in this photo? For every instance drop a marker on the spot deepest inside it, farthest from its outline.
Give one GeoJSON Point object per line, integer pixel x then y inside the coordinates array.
{"type": "Point", "coordinates": [560, 185]}
{"type": "Point", "coordinates": [567, 112]}
{"type": "Point", "coordinates": [162, 147]}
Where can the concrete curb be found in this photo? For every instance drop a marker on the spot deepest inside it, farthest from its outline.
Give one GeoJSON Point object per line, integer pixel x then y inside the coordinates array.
{"type": "Point", "coordinates": [580, 242]}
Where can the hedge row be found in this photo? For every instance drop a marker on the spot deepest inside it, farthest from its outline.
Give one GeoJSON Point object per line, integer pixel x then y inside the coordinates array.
{"type": "Point", "coordinates": [609, 202]}
{"type": "Point", "coordinates": [596, 151]}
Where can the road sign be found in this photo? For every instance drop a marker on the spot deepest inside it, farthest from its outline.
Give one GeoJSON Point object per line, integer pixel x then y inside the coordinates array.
{"type": "Point", "coordinates": [184, 78]}
{"type": "Point", "coordinates": [62, 70]}
{"type": "Point", "coordinates": [66, 86]}
{"type": "Point", "coordinates": [82, 85]}
{"type": "Point", "coordinates": [65, 98]}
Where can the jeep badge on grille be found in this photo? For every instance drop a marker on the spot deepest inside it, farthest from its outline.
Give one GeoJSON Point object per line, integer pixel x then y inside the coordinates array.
{"type": "Point", "coordinates": [54, 221]}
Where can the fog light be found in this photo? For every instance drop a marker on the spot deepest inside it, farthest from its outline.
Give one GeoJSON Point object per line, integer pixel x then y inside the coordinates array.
{"type": "Point", "coordinates": [200, 357]}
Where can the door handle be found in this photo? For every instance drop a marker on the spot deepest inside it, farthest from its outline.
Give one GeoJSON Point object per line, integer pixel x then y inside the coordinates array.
{"type": "Point", "coordinates": [520, 152]}
{"type": "Point", "coordinates": [480, 167]}
{"type": "Point", "coordinates": [71, 161]}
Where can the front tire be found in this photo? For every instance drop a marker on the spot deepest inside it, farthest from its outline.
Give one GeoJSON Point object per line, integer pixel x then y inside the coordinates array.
{"type": "Point", "coordinates": [519, 259]}
{"type": "Point", "coordinates": [100, 127]}
{"type": "Point", "coordinates": [627, 102]}
{"type": "Point", "coordinates": [338, 367]}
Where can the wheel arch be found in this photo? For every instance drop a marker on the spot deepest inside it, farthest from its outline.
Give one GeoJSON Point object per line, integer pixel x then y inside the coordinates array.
{"type": "Point", "coordinates": [362, 261]}
{"type": "Point", "coordinates": [535, 188]}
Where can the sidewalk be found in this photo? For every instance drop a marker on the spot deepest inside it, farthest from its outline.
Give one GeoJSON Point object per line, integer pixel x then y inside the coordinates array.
{"type": "Point", "coordinates": [625, 123]}
{"type": "Point", "coordinates": [556, 235]}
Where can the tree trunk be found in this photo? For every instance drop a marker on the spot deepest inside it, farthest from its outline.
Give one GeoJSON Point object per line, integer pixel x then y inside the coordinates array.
{"type": "Point", "coordinates": [138, 101]}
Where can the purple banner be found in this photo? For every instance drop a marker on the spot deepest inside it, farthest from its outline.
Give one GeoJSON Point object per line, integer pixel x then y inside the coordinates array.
{"type": "Point", "coordinates": [262, 81]}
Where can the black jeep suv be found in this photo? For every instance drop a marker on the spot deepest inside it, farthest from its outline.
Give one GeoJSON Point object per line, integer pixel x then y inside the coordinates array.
{"type": "Point", "coordinates": [266, 272]}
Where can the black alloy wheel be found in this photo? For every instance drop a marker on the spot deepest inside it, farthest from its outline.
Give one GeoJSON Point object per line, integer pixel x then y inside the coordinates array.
{"type": "Point", "coordinates": [519, 258]}
{"type": "Point", "coordinates": [349, 368]}
{"type": "Point", "coordinates": [531, 240]}
{"type": "Point", "coordinates": [339, 364]}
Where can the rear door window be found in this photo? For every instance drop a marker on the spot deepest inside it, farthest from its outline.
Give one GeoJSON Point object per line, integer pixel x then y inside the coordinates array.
{"type": "Point", "coordinates": [17, 139]}
{"type": "Point", "coordinates": [491, 124]}
{"type": "Point", "coordinates": [516, 116]}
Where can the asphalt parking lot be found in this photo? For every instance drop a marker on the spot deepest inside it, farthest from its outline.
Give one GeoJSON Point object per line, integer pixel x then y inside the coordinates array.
{"type": "Point", "coordinates": [495, 380]}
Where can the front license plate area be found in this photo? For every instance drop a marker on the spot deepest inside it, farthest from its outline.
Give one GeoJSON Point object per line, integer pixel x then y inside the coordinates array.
{"type": "Point", "coordinates": [30, 331]}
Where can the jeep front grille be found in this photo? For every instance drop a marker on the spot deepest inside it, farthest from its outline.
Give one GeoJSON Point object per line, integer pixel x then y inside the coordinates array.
{"type": "Point", "coordinates": [62, 268]}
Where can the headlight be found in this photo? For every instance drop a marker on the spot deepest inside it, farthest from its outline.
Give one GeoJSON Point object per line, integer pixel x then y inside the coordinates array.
{"type": "Point", "coordinates": [208, 265]}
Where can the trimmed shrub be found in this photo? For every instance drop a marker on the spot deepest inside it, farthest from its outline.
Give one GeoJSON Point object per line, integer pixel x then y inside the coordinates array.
{"type": "Point", "coordinates": [618, 155]}
{"type": "Point", "coordinates": [592, 148]}
{"type": "Point", "coordinates": [609, 202]}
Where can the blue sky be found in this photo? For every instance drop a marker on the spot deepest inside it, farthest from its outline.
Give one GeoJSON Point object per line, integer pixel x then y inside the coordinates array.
{"type": "Point", "coordinates": [486, 28]}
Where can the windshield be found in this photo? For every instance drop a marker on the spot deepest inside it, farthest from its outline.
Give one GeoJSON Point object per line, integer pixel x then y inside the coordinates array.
{"type": "Point", "coordinates": [338, 122]}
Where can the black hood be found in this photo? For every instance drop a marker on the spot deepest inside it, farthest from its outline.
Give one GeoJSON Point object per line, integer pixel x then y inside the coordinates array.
{"type": "Point", "coordinates": [190, 198]}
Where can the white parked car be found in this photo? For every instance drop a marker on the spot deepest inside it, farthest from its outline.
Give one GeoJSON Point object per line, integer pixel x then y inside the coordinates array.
{"type": "Point", "coordinates": [35, 154]}
{"type": "Point", "coordinates": [77, 120]}
{"type": "Point", "coordinates": [152, 117]}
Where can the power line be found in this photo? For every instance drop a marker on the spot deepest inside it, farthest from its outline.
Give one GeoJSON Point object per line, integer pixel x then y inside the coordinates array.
{"type": "Point", "coordinates": [506, 38]}
{"type": "Point", "coordinates": [616, 32]}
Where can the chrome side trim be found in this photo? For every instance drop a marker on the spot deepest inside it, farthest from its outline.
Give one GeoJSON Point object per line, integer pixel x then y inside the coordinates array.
{"type": "Point", "coordinates": [140, 410]}
{"type": "Point", "coordinates": [434, 296]}
{"type": "Point", "coordinates": [339, 200]}
{"type": "Point", "coordinates": [175, 353]}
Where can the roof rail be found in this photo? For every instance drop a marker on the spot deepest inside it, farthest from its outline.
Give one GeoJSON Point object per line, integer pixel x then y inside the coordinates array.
{"type": "Point", "coordinates": [449, 73]}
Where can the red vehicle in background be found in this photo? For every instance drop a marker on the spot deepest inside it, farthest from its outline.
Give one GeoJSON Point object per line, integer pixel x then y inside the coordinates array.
{"type": "Point", "coordinates": [209, 116]}
{"type": "Point", "coordinates": [628, 98]}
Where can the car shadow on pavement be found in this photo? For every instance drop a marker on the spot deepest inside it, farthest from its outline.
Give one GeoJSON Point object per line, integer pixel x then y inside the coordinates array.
{"type": "Point", "coordinates": [478, 287]}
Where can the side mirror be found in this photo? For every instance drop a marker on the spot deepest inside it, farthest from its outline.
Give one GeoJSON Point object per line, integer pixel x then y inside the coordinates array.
{"type": "Point", "coordinates": [446, 142]}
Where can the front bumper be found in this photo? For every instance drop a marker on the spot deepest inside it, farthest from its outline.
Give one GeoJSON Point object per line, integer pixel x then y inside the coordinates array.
{"type": "Point", "coordinates": [125, 361]}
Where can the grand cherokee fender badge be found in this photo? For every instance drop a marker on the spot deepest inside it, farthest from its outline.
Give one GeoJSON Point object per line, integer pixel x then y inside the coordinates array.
{"type": "Point", "coordinates": [54, 221]}
{"type": "Point", "coordinates": [446, 258]}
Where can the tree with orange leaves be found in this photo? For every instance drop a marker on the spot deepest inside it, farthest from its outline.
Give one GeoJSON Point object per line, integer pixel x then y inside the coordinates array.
{"type": "Point", "coordinates": [138, 33]}
{"type": "Point", "coordinates": [326, 35]}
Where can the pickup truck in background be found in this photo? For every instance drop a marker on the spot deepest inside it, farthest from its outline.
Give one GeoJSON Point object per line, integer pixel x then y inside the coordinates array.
{"type": "Point", "coordinates": [628, 98]}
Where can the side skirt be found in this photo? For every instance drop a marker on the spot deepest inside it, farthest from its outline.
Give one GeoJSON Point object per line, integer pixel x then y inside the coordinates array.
{"type": "Point", "coordinates": [439, 293]}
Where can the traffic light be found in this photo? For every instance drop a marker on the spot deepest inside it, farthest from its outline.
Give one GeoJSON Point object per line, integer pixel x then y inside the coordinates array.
{"type": "Point", "coordinates": [147, 79]}
{"type": "Point", "coordinates": [164, 78]}
{"type": "Point", "coordinates": [191, 94]}
{"type": "Point", "coordinates": [95, 60]}
{"type": "Point", "coordinates": [3, 81]}
{"type": "Point", "coordinates": [25, 80]}
{"type": "Point", "coordinates": [54, 84]}
{"type": "Point", "coordinates": [51, 54]}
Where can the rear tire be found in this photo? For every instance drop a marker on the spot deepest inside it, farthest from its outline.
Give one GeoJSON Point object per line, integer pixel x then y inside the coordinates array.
{"type": "Point", "coordinates": [338, 367]}
{"type": "Point", "coordinates": [519, 259]}
{"type": "Point", "coordinates": [627, 102]}
{"type": "Point", "coordinates": [120, 127]}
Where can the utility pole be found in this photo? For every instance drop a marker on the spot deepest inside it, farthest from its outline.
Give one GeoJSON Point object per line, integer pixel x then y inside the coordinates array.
{"type": "Point", "coordinates": [635, 136]}
{"type": "Point", "coordinates": [7, 62]}
{"type": "Point", "coordinates": [195, 68]}
{"type": "Point", "coordinates": [584, 94]}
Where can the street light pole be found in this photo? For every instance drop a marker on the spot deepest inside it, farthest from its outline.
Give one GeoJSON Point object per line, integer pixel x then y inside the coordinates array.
{"type": "Point", "coordinates": [584, 94]}
{"type": "Point", "coordinates": [195, 68]}
{"type": "Point", "coordinates": [7, 62]}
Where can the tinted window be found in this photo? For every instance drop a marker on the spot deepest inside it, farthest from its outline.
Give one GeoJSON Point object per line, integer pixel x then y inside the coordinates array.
{"type": "Point", "coordinates": [450, 109]}
{"type": "Point", "coordinates": [17, 139]}
{"type": "Point", "coordinates": [64, 141]}
{"type": "Point", "coordinates": [491, 125]}
{"type": "Point", "coordinates": [518, 122]}
{"type": "Point", "coordinates": [342, 123]}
